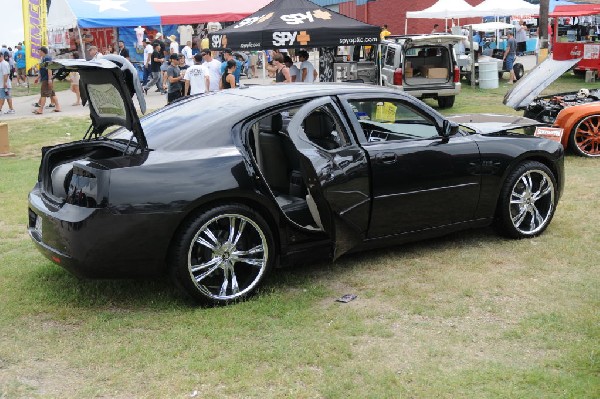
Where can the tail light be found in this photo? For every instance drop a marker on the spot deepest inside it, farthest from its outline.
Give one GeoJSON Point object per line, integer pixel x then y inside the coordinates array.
{"type": "Point", "coordinates": [398, 77]}
{"type": "Point", "coordinates": [456, 74]}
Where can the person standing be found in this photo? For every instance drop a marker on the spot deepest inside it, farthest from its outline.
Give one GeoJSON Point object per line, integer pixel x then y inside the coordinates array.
{"type": "Point", "coordinates": [509, 56]}
{"type": "Point", "coordinates": [294, 71]}
{"type": "Point", "coordinates": [156, 61]}
{"type": "Point", "coordinates": [94, 53]}
{"type": "Point", "coordinates": [148, 50]}
{"type": "Point", "coordinates": [282, 72]}
{"type": "Point", "coordinates": [228, 78]}
{"type": "Point", "coordinates": [384, 32]}
{"type": "Point", "coordinates": [6, 86]}
{"type": "Point", "coordinates": [521, 38]}
{"type": "Point", "coordinates": [228, 55]}
{"type": "Point", "coordinates": [174, 78]}
{"type": "Point", "coordinates": [308, 73]}
{"type": "Point", "coordinates": [186, 51]}
{"type": "Point", "coordinates": [214, 69]}
{"type": "Point", "coordinates": [435, 28]}
{"type": "Point", "coordinates": [123, 52]}
{"type": "Point", "coordinates": [174, 46]}
{"type": "Point", "coordinates": [74, 79]}
{"type": "Point", "coordinates": [197, 77]}
{"type": "Point", "coordinates": [21, 66]}
{"type": "Point", "coordinates": [45, 78]}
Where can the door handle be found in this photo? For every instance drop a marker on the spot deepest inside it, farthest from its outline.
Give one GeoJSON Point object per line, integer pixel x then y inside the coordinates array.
{"type": "Point", "coordinates": [386, 158]}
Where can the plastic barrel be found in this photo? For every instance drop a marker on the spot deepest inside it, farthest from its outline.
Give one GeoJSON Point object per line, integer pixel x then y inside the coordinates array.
{"type": "Point", "coordinates": [488, 75]}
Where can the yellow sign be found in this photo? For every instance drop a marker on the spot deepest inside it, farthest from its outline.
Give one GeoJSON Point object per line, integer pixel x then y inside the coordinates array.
{"type": "Point", "coordinates": [34, 20]}
{"type": "Point", "coordinates": [385, 112]}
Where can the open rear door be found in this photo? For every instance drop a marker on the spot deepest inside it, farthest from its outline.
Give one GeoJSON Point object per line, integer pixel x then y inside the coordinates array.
{"type": "Point", "coordinates": [335, 169]}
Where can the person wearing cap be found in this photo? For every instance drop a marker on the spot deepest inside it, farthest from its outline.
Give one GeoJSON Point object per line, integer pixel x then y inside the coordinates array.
{"type": "Point", "coordinates": [197, 77]}
{"type": "Point", "coordinates": [175, 79]}
{"type": "Point", "coordinates": [148, 50]}
{"type": "Point", "coordinates": [21, 66]}
{"type": "Point", "coordinates": [174, 46]}
{"type": "Point", "coordinates": [214, 69]}
{"type": "Point", "coordinates": [228, 55]}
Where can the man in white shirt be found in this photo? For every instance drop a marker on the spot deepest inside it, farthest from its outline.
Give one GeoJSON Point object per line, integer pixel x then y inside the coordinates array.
{"type": "Point", "coordinates": [187, 53]}
{"type": "Point", "coordinates": [174, 46]}
{"type": "Point", "coordinates": [5, 86]}
{"type": "Point", "coordinates": [294, 71]}
{"type": "Point", "coordinates": [308, 74]}
{"type": "Point", "coordinates": [197, 79]}
{"type": "Point", "coordinates": [148, 50]}
{"type": "Point", "coordinates": [214, 69]}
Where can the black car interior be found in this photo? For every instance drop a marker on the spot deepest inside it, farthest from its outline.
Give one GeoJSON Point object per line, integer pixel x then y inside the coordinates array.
{"type": "Point", "coordinates": [279, 161]}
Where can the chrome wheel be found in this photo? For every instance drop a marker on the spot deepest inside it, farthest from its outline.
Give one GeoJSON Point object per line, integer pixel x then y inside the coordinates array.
{"type": "Point", "coordinates": [228, 256]}
{"type": "Point", "coordinates": [585, 138]}
{"type": "Point", "coordinates": [532, 202]}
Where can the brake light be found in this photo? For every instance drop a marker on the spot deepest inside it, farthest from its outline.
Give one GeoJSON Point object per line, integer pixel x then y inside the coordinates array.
{"type": "Point", "coordinates": [398, 77]}
{"type": "Point", "coordinates": [456, 74]}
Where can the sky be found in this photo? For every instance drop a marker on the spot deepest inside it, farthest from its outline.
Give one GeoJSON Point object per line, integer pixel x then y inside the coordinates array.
{"type": "Point", "coordinates": [11, 31]}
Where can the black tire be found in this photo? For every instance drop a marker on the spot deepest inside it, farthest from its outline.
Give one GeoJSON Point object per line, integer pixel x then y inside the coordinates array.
{"type": "Point", "coordinates": [446, 102]}
{"type": "Point", "coordinates": [584, 140]}
{"type": "Point", "coordinates": [233, 250]}
{"type": "Point", "coordinates": [527, 200]}
{"type": "Point", "coordinates": [518, 70]}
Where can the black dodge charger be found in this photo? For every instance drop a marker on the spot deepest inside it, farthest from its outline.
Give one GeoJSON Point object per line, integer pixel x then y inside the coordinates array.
{"type": "Point", "coordinates": [219, 189]}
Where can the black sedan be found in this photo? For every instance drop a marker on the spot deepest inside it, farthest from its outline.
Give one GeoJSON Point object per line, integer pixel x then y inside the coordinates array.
{"type": "Point", "coordinates": [219, 189]}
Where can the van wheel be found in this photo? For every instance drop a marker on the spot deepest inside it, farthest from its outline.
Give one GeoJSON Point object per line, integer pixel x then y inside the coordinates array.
{"type": "Point", "coordinates": [446, 102]}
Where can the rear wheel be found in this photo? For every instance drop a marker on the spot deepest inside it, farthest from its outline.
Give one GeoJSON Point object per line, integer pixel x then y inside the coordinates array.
{"type": "Point", "coordinates": [446, 102]}
{"type": "Point", "coordinates": [223, 254]}
{"type": "Point", "coordinates": [528, 200]}
{"type": "Point", "coordinates": [585, 137]}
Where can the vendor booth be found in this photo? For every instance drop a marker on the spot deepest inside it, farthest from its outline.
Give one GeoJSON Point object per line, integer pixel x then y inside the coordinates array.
{"type": "Point", "coordinates": [576, 31]}
{"type": "Point", "coordinates": [285, 24]}
{"type": "Point", "coordinates": [76, 24]}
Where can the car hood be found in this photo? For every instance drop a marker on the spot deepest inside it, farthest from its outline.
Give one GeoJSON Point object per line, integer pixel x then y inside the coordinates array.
{"type": "Point", "coordinates": [109, 84]}
{"type": "Point", "coordinates": [540, 77]}
{"type": "Point", "coordinates": [492, 123]}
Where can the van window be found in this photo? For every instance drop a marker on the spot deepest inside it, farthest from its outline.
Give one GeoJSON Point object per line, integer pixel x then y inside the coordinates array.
{"type": "Point", "coordinates": [390, 55]}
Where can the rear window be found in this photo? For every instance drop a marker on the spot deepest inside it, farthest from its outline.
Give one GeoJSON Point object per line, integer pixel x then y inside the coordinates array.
{"type": "Point", "coordinates": [201, 122]}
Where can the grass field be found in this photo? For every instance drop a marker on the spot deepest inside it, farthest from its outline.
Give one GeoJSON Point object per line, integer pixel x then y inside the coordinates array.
{"type": "Point", "coordinates": [34, 88]}
{"type": "Point", "coordinates": [470, 315]}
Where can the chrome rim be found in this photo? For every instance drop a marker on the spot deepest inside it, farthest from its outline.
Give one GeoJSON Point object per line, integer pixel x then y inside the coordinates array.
{"type": "Point", "coordinates": [587, 136]}
{"type": "Point", "coordinates": [228, 256]}
{"type": "Point", "coordinates": [532, 202]}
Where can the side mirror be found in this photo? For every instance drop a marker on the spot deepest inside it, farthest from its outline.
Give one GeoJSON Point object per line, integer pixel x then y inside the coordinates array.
{"type": "Point", "coordinates": [449, 128]}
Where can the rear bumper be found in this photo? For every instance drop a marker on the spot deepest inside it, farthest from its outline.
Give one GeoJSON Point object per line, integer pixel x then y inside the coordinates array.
{"type": "Point", "coordinates": [132, 245]}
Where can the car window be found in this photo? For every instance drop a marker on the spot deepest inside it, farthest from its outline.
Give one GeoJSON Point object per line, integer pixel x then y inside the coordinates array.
{"type": "Point", "coordinates": [392, 120]}
{"type": "Point", "coordinates": [390, 54]}
{"type": "Point", "coordinates": [324, 129]}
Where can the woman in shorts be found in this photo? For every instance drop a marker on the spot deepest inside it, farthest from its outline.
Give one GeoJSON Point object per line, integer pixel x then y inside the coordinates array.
{"type": "Point", "coordinates": [74, 79]}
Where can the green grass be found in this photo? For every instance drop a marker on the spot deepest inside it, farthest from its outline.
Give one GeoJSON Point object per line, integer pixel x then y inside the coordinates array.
{"type": "Point", "coordinates": [470, 315]}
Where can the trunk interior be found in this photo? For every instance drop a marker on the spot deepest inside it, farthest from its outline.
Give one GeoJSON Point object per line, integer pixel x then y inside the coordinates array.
{"type": "Point", "coordinates": [427, 66]}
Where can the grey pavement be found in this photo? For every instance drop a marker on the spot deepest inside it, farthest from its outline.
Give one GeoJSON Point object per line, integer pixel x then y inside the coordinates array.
{"type": "Point", "coordinates": [24, 105]}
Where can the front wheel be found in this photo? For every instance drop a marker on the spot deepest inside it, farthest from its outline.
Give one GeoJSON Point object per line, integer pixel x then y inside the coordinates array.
{"type": "Point", "coordinates": [446, 102]}
{"type": "Point", "coordinates": [585, 137]}
{"type": "Point", "coordinates": [223, 254]}
{"type": "Point", "coordinates": [528, 200]}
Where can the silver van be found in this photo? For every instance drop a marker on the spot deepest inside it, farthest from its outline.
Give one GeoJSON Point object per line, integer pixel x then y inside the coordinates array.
{"type": "Point", "coordinates": [423, 66]}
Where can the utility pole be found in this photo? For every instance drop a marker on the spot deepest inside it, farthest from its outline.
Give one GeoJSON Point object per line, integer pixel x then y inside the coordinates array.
{"type": "Point", "coordinates": [543, 23]}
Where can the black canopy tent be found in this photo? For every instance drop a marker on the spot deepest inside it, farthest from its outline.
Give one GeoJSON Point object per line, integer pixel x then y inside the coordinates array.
{"type": "Point", "coordinates": [294, 24]}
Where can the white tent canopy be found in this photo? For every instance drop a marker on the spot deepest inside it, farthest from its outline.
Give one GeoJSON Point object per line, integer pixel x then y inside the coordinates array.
{"type": "Point", "coordinates": [444, 9]}
{"type": "Point", "coordinates": [490, 26]}
{"type": "Point", "coordinates": [504, 7]}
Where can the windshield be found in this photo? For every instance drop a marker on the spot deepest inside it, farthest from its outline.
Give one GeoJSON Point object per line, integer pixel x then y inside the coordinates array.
{"type": "Point", "coordinates": [199, 122]}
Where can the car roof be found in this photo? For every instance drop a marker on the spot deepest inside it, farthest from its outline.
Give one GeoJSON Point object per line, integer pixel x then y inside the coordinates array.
{"type": "Point", "coordinates": [304, 90]}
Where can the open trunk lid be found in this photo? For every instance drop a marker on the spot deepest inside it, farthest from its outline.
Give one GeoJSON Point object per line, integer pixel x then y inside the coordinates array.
{"type": "Point", "coordinates": [109, 84]}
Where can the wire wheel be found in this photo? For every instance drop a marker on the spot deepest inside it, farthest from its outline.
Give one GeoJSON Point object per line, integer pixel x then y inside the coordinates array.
{"type": "Point", "coordinates": [532, 202]}
{"type": "Point", "coordinates": [585, 139]}
{"type": "Point", "coordinates": [228, 257]}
